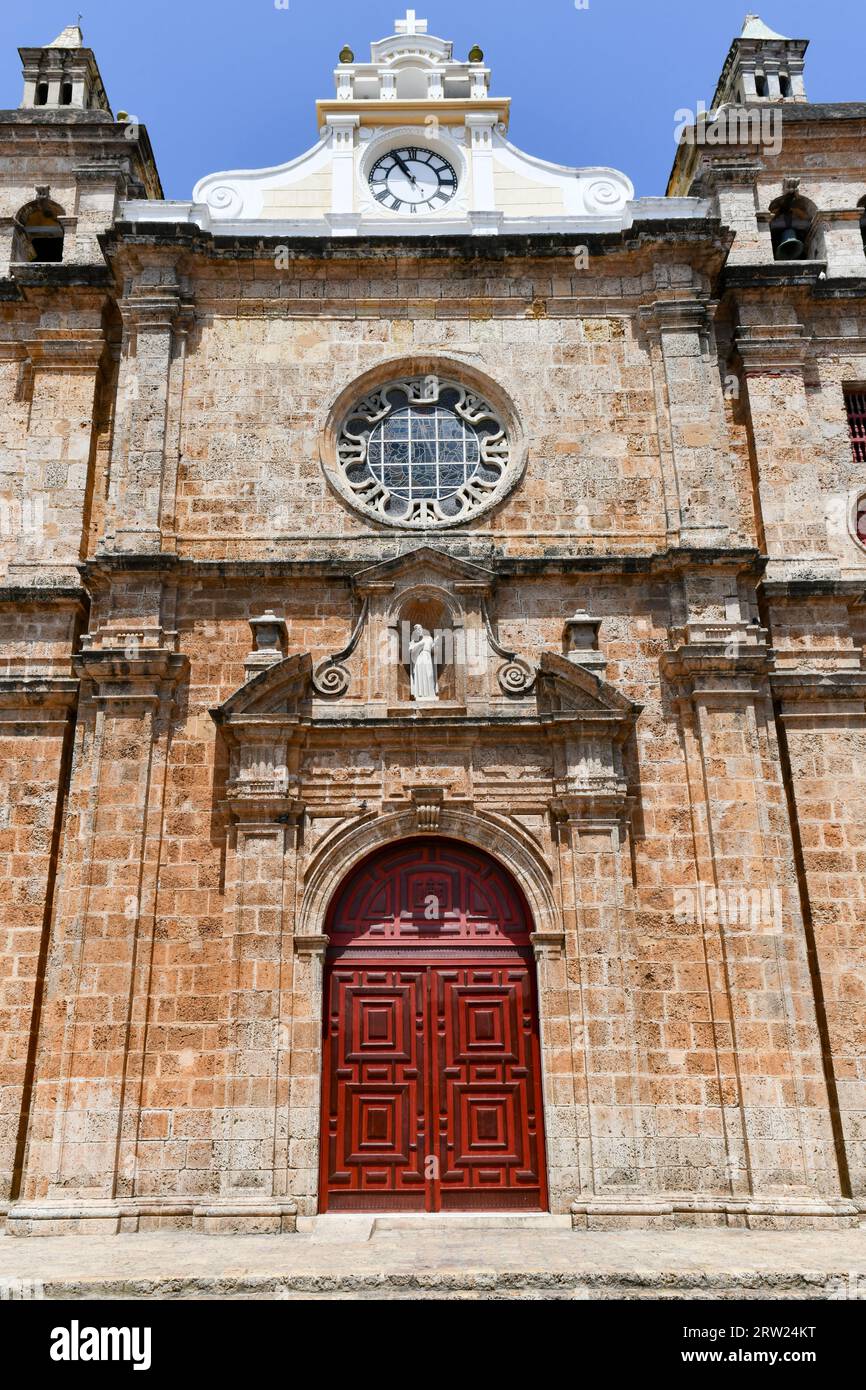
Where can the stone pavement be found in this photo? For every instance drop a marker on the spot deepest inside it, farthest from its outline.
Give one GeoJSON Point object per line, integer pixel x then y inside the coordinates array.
{"type": "Point", "coordinates": [436, 1258]}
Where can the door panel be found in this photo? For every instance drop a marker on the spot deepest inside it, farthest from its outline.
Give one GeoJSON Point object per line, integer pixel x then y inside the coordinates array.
{"type": "Point", "coordinates": [431, 1092]}
{"type": "Point", "coordinates": [486, 1092]}
{"type": "Point", "coordinates": [432, 1088]}
{"type": "Point", "coordinates": [376, 1106]}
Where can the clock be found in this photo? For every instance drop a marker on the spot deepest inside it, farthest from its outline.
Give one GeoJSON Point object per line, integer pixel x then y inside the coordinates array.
{"type": "Point", "coordinates": [411, 180]}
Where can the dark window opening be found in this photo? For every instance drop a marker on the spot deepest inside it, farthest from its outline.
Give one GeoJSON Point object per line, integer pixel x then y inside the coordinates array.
{"type": "Point", "coordinates": [48, 247]}
{"type": "Point", "coordinates": [762, 86]}
{"type": "Point", "coordinates": [42, 94]}
{"type": "Point", "coordinates": [66, 94]}
{"type": "Point", "coordinates": [785, 85]}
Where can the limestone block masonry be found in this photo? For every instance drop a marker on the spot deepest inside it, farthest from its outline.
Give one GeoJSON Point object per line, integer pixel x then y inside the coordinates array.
{"type": "Point", "coordinates": [607, 456]}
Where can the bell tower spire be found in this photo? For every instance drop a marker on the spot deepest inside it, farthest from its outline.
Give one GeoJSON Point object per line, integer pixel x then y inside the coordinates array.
{"type": "Point", "coordinates": [63, 75]}
{"type": "Point", "coordinates": [761, 66]}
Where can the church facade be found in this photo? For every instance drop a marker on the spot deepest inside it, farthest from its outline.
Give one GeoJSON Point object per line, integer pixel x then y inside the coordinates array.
{"type": "Point", "coordinates": [432, 697]}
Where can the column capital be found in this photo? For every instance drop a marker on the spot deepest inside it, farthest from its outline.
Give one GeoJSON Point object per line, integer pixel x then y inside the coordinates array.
{"type": "Point", "coordinates": [677, 315]}
{"type": "Point", "coordinates": [119, 678]}
{"type": "Point", "coordinates": [251, 807]}
{"type": "Point", "coordinates": [165, 309]}
{"type": "Point", "coordinates": [768, 349]}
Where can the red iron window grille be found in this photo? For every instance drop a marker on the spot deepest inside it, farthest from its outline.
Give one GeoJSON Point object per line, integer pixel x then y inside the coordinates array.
{"type": "Point", "coordinates": [855, 403]}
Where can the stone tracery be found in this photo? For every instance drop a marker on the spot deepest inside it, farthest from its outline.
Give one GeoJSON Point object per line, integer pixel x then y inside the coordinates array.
{"type": "Point", "coordinates": [423, 452]}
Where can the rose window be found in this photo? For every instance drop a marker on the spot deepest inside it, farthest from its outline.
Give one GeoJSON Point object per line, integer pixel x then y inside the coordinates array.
{"type": "Point", "coordinates": [423, 452]}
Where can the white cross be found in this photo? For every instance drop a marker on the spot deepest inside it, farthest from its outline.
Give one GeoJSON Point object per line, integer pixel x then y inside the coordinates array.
{"type": "Point", "coordinates": [411, 24]}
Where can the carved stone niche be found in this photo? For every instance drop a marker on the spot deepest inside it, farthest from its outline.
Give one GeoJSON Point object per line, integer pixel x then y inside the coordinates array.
{"type": "Point", "coordinates": [450, 599]}
{"type": "Point", "coordinates": [431, 610]}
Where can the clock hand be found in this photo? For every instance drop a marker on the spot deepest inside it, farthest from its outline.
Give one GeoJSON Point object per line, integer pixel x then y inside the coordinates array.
{"type": "Point", "coordinates": [405, 168]}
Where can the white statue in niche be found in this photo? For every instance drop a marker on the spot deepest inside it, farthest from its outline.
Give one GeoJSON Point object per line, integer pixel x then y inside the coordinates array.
{"type": "Point", "coordinates": [422, 662]}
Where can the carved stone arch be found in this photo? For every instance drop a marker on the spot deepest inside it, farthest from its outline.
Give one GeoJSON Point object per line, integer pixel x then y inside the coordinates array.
{"type": "Point", "coordinates": [502, 839]}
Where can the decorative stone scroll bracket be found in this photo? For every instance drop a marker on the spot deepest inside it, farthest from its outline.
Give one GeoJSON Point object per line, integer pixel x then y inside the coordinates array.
{"type": "Point", "coordinates": [331, 679]}
{"type": "Point", "coordinates": [516, 676]}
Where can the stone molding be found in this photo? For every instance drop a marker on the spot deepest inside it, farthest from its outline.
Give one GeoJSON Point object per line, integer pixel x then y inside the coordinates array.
{"type": "Point", "coordinates": [213, 1214]}
{"type": "Point", "coordinates": [754, 1213]}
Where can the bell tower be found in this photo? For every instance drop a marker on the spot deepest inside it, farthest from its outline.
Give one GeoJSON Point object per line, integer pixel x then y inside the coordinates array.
{"type": "Point", "coordinates": [63, 76]}
{"type": "Point", "coordinates": [761, 66]}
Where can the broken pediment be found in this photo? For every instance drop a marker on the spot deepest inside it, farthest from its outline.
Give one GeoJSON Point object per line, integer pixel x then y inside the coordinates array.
{"type": "Point", "coordinates": [565, 688]}
{"type": "Point", "coordinates": [280, 690]}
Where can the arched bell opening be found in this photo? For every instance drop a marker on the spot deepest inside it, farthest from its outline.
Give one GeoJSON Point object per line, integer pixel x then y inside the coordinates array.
{"type": "Point", "coordinates": [39, 233]}
{"type": "Point", "coordinates": [794, 229]}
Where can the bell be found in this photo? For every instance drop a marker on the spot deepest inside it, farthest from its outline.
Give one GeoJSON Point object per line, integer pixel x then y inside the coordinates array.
{"type": "Point", "coordinates": [789, 246]}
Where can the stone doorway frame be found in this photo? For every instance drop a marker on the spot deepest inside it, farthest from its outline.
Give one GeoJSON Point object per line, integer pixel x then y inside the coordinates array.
{"type": "Point", "coordinates": [326, 872]}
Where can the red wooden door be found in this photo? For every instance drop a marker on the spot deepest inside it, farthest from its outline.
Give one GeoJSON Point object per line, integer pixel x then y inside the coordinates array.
{"type": "Point", "coordinates": [432, 1079]}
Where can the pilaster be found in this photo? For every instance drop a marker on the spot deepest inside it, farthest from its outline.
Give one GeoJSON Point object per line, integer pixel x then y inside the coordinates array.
{"type": "Point", "coordinates": [144, 461]}
{"type": "Point", "coordinates": [745, 906]}
{"type": "Point", "coordinates": [699, 499]}
{"type": "Point", "coordinates": [91, 1083]}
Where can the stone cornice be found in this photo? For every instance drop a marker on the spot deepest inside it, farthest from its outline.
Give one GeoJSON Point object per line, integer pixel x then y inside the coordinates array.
{"type": "Point", "coordinates": [43, 698]}
{"type": "Point", "coordinates": [772, 275]}
{"type": "Point", "coordinates": [738, 174]}
{"type": "Point", "coordinates": [62, 276]}
{"type": "Point", "coordinates": [182, 237]}
{"type": "Point", "coordinates": [743, 560]}
{"type": "Point", "coordinates": [853, 590]}
{"type": "Point", "coordinates": [19, 594]}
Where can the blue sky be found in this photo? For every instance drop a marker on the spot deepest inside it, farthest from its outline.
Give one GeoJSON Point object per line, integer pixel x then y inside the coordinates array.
{"type": "Point", "coordinates": [225, 84]}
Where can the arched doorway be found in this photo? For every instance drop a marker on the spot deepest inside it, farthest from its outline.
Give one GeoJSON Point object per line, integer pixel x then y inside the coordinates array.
{"type": "Point", "coordinates": [431, 1094]}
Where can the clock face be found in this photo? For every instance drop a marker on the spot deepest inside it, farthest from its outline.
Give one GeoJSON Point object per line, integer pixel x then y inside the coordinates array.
{"type": "Point", "coordinates": [411, 180]}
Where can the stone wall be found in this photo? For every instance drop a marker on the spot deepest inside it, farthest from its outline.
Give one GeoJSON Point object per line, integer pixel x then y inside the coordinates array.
{"type": "Point", "coordinates": [680, 799]}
